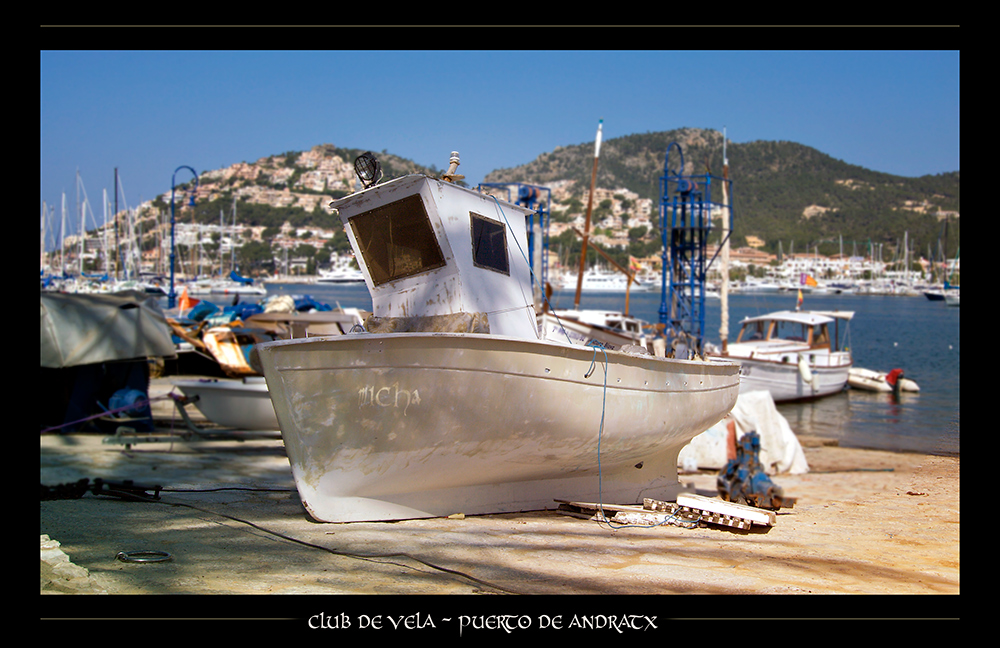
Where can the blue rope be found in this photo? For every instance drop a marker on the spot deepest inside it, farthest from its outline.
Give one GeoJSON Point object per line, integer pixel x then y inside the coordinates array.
{"type": "Point", "coordinates": [595, 345]}
{"type": "Point", "coordinates": [600, 435]}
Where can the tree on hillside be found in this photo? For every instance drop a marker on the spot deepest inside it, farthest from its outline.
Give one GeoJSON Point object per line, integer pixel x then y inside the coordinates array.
{"type": "Point", "coordinates": [255, 258]}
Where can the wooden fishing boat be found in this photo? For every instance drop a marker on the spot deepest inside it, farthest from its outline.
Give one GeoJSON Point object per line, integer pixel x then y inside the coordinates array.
{"type": "Point", "coordinates": [795, 355]}
{"type": "Point", "coordinates": [450, 400]}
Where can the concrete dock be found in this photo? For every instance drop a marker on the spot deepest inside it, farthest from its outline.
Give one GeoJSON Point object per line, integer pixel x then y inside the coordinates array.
{"type": "Point", "coordinates": [228, 515]}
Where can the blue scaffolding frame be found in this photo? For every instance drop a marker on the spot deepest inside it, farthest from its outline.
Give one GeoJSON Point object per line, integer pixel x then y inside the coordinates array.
{"type": "Point", "coordinates": [687, 201]}
{"type": "Point", "coordinates": [528, 196]}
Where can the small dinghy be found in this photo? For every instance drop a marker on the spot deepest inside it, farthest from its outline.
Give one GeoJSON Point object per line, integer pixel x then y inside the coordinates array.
{"type": "Point", "coordinates": [879, 381]}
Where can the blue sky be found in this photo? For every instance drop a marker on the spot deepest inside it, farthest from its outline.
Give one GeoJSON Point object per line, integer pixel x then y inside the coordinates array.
{"type": "Point", "coordinates": [147, 113]}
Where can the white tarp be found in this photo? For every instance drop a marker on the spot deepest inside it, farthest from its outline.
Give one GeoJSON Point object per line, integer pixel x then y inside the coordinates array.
{"type": "Point", "coordinates": [780, 450]}
{"type": "Point", "coordinates": [82, 329]}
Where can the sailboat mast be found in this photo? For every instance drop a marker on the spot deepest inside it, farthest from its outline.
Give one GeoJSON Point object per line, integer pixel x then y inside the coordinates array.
{"type": "Point", "coordinates": [42, 244]}
{"type": "Point", "coordinates": [222, 226]}
{"type": "Point", "coordinates": [906, 258]}
{"type": "Point", "coordinates": [118, 249]}
{"type": "Point", "coordinates": [586, 228]}
{"type": "Point", "coordinates": [724, 288]}
{"type": "Point", "coordinates": [232, 240]}
{"type": "Point", "coordinates": [83, 229]}
{"type": "Point", "coordinates": [62, 238]}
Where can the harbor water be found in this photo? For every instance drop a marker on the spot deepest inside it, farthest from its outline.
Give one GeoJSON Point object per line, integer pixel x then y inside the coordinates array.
{"type": "Point", "coordinates": [914, 334]}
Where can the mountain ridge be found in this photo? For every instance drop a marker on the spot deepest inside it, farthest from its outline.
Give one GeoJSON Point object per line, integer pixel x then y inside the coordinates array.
{"type": "Point", "coordinates": [783, 192]}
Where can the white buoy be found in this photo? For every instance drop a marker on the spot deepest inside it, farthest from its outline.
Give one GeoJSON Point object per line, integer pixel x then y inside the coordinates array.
{"type": "Point", "coordinates": [805, 372]}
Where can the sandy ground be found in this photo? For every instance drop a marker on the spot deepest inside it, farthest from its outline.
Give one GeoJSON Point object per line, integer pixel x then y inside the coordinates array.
{"type": "Point", "coordinates": [865, 522]}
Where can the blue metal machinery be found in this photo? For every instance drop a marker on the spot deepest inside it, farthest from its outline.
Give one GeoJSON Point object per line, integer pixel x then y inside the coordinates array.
{"type": "Point", "coordinates": [686, 210]}
{"type": "Point", "coordinates": [743, 480]}
{"type": "Point", "coordinates": [529, 196]}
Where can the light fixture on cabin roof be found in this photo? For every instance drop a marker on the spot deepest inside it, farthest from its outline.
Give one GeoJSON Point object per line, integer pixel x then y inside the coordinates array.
{"type": "Point", "coordinates": [368, 169]}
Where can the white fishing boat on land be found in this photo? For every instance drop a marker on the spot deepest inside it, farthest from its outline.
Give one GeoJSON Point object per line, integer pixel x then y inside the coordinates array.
{"type": "Point", "coordinates": [450, 401]}
{"type": "Point", "coordinates": [792, 354]}
{"type": "Point", "coordinates": [240, 404]}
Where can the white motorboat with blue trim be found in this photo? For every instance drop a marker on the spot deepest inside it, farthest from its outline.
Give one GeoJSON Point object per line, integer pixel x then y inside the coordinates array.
{"type": "Point", "coordinates": [451, 400]}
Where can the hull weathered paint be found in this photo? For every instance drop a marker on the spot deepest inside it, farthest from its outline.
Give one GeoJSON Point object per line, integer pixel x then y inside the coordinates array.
{"type": "Point", "coordinates": [244, 405]}
{"type": "Point", "coordinates": [411, 425]}
{"type": "Point", "coordinates": [786, 383]}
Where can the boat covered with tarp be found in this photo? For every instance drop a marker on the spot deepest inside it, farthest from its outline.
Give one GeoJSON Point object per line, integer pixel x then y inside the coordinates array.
{"type": "Point", "coordinates": [94, 346]}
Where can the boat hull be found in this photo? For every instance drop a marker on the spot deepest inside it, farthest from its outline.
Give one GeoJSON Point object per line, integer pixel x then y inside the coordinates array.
{"type": "Point", "coordinates": [239, 404]}
{"type": "Point", "coordinates": [412, 425]}
{"type": "Point", "coordinates": [786, 381]}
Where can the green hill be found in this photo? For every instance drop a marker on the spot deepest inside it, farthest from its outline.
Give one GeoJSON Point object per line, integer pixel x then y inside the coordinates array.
{"type": "Point", "coordinates": [782, 191]}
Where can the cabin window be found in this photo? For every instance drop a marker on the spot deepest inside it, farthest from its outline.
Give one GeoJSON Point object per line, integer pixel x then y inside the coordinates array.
{"type": "Point", "coordinates": [753, 331]}
{"type": "Point", "coordinates": [821, 336]}
{"type": "Point", "coordinates": [791, 331]}
{"type": "Point", "coordinates": [489, 244]}
{"type": "Point", "coordinates": [397, 240]}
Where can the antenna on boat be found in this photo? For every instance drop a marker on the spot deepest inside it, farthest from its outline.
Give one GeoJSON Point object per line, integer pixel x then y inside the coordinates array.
{"type": "Point", "coordinates": [450, 174]}
{"type": "Point", "coordinates": [590, 204]}
{"type": "Point", "coordinates": [368, 169]}
{"type": "Point", "coordinates": [724, 287]}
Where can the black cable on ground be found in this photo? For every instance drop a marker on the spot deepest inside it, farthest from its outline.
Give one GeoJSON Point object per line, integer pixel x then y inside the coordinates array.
{"type": "Point", "coordinates": [133, 495]}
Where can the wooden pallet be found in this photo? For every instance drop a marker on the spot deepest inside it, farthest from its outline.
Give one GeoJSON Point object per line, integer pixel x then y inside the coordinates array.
{"type": "Point", "coordinates": [711, 505]}
{"type": "Point", "coordinates": [689, 510]}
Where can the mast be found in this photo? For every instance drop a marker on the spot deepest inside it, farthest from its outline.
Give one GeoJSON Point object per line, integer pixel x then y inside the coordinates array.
{"type": "Point", "coordinates": [62, 238]}
{"type": "Point", "coordinates": [586, 228]}
{"type": "Point", "coordinates": [232, 240]}
{"type": "Point", "coordinates": [221, 230]}
{"type": "Point", "coordinates": [42, 244]}
{"type": "Point", "coordinates": [118, 249]}
{"type": "Point", "coordinates": [724, 288]}
{"type": "Point", "coordinates": [104, 228]}
{"type": "Point", "coordinates": [906, 258]}
{"type": "Point", "coordinates": [83, 230]}
{"type": "Point", "coordinates": [131, 270]}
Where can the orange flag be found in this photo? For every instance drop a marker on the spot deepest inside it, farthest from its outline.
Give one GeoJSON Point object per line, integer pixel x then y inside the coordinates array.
{"type": "Point", "coordinates": [187, 302]}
